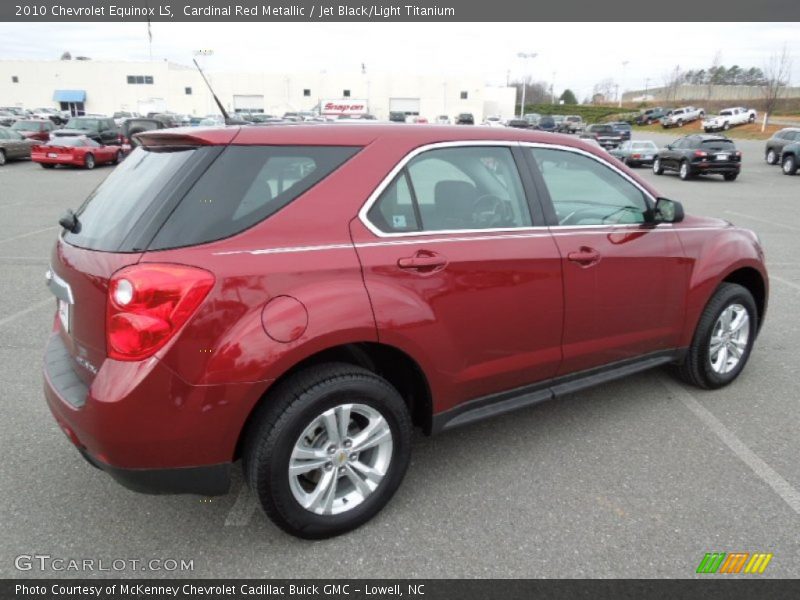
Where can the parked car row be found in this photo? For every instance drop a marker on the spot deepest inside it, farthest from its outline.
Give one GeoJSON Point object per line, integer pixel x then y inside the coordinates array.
{"type": "Point", "coordinates": [783, 148]}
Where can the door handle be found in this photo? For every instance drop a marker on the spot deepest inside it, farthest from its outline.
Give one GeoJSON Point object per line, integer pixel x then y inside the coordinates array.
{"type": "Point", "coordinates": [585, 256]}
{"type": "Point", "coordinates": [423, 261]}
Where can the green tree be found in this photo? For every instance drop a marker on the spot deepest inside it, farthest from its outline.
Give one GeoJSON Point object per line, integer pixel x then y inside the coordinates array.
{"type": "Point", "coordinates": [568, 97]}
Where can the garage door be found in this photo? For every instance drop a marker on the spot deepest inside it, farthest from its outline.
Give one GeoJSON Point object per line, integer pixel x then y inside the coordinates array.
{"type": "Point", "coordinates": [248, 103]}
{"type": "Point", "coordinates": [409, 106]}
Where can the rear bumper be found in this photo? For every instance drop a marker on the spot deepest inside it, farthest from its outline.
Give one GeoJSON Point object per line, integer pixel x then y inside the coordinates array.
{"type": "Point", "coordinates": [145, 426]}
{"type": "Point", "coordinates": [210, 480]}
{"type": "Point", "coordinates": [716, 168]}
{"type": "Point", "coordinates": [55, 161]}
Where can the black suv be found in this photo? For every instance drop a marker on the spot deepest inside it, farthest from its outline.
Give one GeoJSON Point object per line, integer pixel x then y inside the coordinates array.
{"type": "Point", "coordinates": [465, 119]}
{"type": "Point", "coordinates": [775, 144]}
{"type": "Point", "coordinates": [700, 155]}
{"type": "Point", "coordinates": [102, 130]}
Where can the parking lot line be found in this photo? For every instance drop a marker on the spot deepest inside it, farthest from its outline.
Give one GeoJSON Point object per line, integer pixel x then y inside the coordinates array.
{"type": "Point", "coordinates": [243, 509]}
{"type": "Point", "coordinates": [767, 474]}
{"type": "Point", "coordinates": [760, 220]}
{"type": "Point", "coordinates": [785, 281]}
{"type": "Point", "coordinates": [30, 233]}
{"type": "Point", "coordinates": [25, 311]}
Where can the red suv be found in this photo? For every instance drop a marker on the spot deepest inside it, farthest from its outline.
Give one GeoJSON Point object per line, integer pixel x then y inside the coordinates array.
{"type": "Point", "coordinates": [298, 297]}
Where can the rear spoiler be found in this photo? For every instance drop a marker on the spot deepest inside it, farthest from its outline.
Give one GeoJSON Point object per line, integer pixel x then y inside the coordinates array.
{"type": "Point", "coordinates": [186, 137]}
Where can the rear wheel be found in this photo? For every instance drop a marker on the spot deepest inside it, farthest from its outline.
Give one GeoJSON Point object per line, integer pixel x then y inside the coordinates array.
{"type": "Point", "coordinates": [46, 165]}
{"type": "Point", "coordinates": [685, 171]}
{"type": "Point", "coordinates": [723, 339]}
{"type": "Point", "coordinates": [726, 126]}
{"type": "Point", "coordinates": [2, 157]}
{"type": "Point", "coordinates": [118, 157]}
{"type": "Point", "coordinates": [730, 176]}
{"type": "Point", "coordinates": [658, 168]}
{"type": "Point", "coordinates": [88, 161]}
{"type": "Point", "coordinates": [327, 450]}
{"type": "Point", "coordinates": [680, 123]}
{"type": "Point", "coordinates": [772, 157]}
{"type": "Point", "coordinates": [789, 164]}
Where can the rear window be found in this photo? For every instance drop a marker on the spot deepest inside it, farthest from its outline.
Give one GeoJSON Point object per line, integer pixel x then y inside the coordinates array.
{"type": "Point", "coordinates": [71, 142]}
{"type": "Point", "coordinates": [85, 124]}
{"type": "Point", "coordinates": [27, 126]}
{"type": "Point", "coordinates": [718, 145]}
{"type": "Point", "coordinates": [244, 186]}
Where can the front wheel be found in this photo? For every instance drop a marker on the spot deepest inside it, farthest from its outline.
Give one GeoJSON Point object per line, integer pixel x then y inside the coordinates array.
{"type": "Point", "coordinates": [723, 339]}
{"type": "Point", "coordinates": [789, 164]}
{"type": "Point", "coordinates": [658, 168]}
{"type": "Point", "coordinates": [327, 449]}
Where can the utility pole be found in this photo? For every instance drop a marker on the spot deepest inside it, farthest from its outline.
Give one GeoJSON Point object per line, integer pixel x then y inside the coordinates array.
{"type": "Point", "coordinates": [524, 56]}
{"type": "Point", "coordinates": [646, 87]}
{"type": "Point", "coordinates": [624, 64]}
{"type": "Point", "coordinates": [553, 89]}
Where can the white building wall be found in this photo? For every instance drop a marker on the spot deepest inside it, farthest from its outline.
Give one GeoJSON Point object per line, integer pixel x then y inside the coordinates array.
{"type": "Point", "coordinates": [107, 90]}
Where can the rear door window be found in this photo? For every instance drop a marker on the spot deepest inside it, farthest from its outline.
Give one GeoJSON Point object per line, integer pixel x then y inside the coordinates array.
{"type": "Point", "coordinates": [110, 213]}
{"type": "Point", "coordinates": [244, 186]}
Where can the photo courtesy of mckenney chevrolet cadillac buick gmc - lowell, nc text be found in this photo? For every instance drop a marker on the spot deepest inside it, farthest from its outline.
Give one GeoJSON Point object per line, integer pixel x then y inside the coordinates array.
{"type": "Point", "coordinates": [301, 299]}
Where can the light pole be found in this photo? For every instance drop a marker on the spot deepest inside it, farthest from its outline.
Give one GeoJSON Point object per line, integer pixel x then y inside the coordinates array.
{"type": "Point", "coordinates": [553, 89]}
{"type": "Point", "coordinates": [646, 87]}
{"type": "Point", "coordinates": [525, 55]}
{"type": "Point", "coordinates": [622, 87]}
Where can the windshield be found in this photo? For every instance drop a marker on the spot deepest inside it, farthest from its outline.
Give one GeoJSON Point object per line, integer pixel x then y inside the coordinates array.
{"type": "Point", "coordinates": [84, 124]}
{"type": "Point", "coordinates": [70, 142]}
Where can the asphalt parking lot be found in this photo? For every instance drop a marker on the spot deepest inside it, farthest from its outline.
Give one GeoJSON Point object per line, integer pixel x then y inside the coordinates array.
{"type": "Point", "coordinates": [637, 478]}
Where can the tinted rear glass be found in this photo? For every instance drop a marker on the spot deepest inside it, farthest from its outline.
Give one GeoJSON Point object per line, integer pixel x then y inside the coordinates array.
{"type": "Point", "coordinates": [718, 145]}
{"type": "Point", "coordinates": [244, 186]}
{"type": "Point", "coordinates": [113, 209]}
{"type": "Point", "coordinates": [87, 124]}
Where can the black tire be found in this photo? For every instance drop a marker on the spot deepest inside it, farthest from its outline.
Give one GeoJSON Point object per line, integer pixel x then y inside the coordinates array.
{"type": "Point", "coordinates": [789, 165]}
{"type": "Point", "coordinates": [280, 421]}
{"type": "Point", "coordinates": [89, 161]}
{"type": "Point", "coordinates": [726, 126]}
{"type": "Point", "coordinates": [771, 156]}
{"type": "Point", "coordinates": [117, 157]}
{"type": "Point", "coordinates": [696, 367]}
{"type": "Point", "coordinates": [658, 168]}
{"type": "Point", "coordinates": [46, 166]}
{"type": "Point", "coordinates": [2, 157]}
{"type": "Point", "coordinates": [730, 176]}
{"type": "Point", "coordinates": [680, 123]}
{"type": "Point", "coordinates": [685, 171]}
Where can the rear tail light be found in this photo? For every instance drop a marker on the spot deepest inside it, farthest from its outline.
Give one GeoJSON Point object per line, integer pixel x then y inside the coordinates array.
{"type": "Point", "coordinates": [700, 154]}
{"type": "Point", "coordinates": [738, 154]}
{"type": "Point", "coordinates": [148, 303]}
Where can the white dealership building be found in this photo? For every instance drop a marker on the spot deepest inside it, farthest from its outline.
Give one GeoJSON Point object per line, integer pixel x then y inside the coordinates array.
{"type": "Point", "coordinates": [105, 87]}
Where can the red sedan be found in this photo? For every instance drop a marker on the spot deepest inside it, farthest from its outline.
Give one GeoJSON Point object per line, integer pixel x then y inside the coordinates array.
{"type": "Point", "coordinates": [77, 151]}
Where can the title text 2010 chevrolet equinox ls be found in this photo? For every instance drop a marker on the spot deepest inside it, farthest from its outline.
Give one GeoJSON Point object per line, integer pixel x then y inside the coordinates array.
{"type": "Point", "coordinates": [300, 296]}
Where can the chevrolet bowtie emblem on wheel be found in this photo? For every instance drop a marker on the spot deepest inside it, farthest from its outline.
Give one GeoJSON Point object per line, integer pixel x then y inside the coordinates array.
{"type": "Point", "coordinates": [734, 562]}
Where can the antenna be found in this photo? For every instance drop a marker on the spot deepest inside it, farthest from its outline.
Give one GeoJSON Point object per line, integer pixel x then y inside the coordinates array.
{"type": "Point", "coordinates": [228, 120]}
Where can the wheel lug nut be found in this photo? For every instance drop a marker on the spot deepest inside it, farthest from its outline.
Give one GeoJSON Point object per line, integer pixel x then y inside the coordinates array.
{"type": "Point", "coordinates": [331, 449]}
{"type": "Point", "coordinates": [348, 443]}
{"type": "Point", "coordinates": [328, 466]}
{"type": "Point", "coordinates": [341, 470]}
{"type": "Point", "coordinates": [354, 456]}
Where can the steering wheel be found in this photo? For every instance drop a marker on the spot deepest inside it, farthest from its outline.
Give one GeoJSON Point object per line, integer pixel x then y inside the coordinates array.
{"type": "Point", "coordinates": [578, 212]}
{"type": "Point", "coordinates": [490, 210]}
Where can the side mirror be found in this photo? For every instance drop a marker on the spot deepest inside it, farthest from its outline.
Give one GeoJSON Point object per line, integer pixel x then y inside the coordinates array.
{"type": "Point", "coordinates": [668, 211]}
{"type": "Point", "coordinates": [668, 146]}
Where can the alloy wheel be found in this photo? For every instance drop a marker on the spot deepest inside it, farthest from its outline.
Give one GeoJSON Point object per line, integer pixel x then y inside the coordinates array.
{"type": "Point", "coordinates": [340, 459]}
{"type": "Point", "coordinates": [729, 338]}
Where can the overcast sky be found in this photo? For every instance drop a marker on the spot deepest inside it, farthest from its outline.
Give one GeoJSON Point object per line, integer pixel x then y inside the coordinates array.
{"type": "Point", "coordinates": [580, 54]}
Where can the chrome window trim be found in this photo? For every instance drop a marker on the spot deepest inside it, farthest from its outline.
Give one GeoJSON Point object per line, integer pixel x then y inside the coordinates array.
{"type": "Point", "coordinates": [387, 180]}
{"type": "Point", "coordinates": [373, 198]}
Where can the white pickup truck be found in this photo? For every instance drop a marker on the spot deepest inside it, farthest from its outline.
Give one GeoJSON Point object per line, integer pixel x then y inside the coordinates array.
{"type": "Point", "coordinates": [680, 116]}
{"type": "Point", "coordinates": [728, 117]}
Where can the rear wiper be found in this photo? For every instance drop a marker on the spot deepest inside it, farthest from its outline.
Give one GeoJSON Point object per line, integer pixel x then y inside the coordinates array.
{"type": "Point", "coordinates": [70, 221]}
